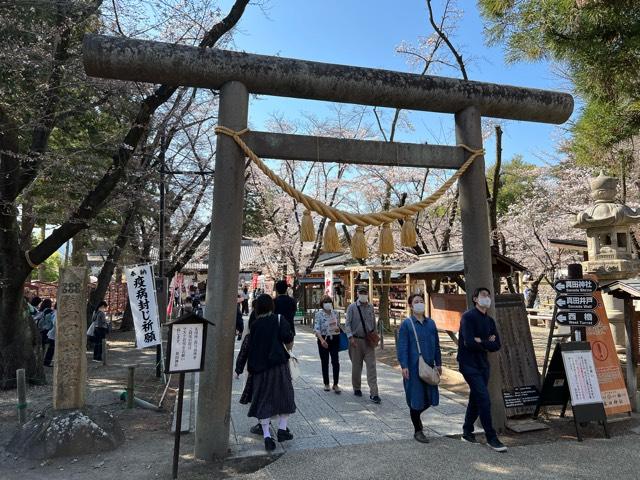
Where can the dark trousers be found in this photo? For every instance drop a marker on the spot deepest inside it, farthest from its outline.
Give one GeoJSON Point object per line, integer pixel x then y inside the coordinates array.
{"type": "Point", "coordinates": [334, 352]}
{"type": "Point", "coordinates": [479, 401]}
{"type": "Point", "coordinates": [44, 338]}
{"type": "Point", "coordinates": [245, 306]}
{"type": "Point", "coordinates": [50, 351]}
{"type": "Point", "coordinates": [98, 335]}
{"type": "Point", "coordinates": [415, 419]}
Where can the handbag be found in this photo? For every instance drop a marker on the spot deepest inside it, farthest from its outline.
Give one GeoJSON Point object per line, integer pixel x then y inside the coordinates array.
{"type": "Point", "coordinates": [293, 362]}
{"type": "Point", "coordinates": [91, 330]}
{"type": "Point", "coordinates": [344, 342]}
{"type": "Point", "coordinates": [371, 337]}
{"type": "Point", "coordinates": [426, 372]}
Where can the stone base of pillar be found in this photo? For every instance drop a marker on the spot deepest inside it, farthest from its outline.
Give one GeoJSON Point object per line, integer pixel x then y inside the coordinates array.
{"type": "Point", "coordinates": [63, 433]}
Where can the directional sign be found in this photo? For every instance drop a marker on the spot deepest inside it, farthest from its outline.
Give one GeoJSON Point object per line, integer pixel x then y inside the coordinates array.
{"type": "Point", "coordinates": [576, 302]}
{"type": "Point", "coordinates": [577, 319]}
{"type": "Point", "coordinates": [575, 286]}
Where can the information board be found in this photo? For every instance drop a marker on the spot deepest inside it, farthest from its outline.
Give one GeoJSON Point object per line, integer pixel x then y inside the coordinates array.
{"type": "Point", "coordinates": [581, 376]}
{"type": "Point", "coordinates": [521, 396]}
{"type": "Point", "coordinates": [185, 352]}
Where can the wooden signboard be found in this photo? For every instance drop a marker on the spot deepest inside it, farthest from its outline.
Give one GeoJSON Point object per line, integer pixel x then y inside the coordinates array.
{"type": "Point", "coordinates": [447, 309]}
{"type": "Point", "coordinates": [607, 363]}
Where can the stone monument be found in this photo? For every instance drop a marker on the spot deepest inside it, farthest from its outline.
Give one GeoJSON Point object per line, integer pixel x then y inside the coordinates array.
{"type": "Point", "coordinates": [71, 427]}
{"type": "Point", "coordinates": [70, 363]}
{"type": "Point", "coordinates": [611, 256]}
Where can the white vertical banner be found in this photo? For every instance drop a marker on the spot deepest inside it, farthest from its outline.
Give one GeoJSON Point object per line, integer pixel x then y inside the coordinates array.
{"type": "Point", "coordinates": [144, 305]}
{"type": "Point", "coordinates": [328, 282]}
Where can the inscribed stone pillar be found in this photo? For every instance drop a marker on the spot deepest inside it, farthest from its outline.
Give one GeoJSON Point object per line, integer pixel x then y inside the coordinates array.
{"type": "Point", "coordinates": [70, 361]}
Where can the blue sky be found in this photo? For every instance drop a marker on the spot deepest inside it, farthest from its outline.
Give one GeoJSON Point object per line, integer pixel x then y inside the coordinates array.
{"type": "Point", "coordinates": [366, 33]}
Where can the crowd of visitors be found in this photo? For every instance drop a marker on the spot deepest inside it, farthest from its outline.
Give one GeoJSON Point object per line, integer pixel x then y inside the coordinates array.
{"type": "Point", "coordinates": [268, 341]}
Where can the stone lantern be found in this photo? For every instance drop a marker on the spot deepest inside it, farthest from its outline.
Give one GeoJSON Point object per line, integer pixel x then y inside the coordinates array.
{"type": "Point", "coordinates": [611, 255]}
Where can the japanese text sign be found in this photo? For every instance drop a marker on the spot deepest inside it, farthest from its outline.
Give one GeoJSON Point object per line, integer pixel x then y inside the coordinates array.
{"type": "Point", "coordinates": [144, 305]}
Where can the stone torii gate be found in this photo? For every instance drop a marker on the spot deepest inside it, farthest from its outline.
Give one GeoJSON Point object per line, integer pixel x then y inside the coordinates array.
{"type": "Point", "coordinates": [236, 75]}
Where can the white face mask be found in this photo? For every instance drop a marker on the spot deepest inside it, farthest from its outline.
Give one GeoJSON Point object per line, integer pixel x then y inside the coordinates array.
{"type": "Point", "coordinates": [484, 302]}
{"type": "Point", "coordinates": [363, 298]}
{"type": "Point", "coordinates": [418, 307]}
{"type": "Point", "coordinates": [327, 306]}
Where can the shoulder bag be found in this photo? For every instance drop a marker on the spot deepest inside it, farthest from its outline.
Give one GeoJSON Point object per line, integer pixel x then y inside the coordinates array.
{"type": "Point", "coordinates": [427, 373]}
{"type": "Point", "coordinates": [372, 337]}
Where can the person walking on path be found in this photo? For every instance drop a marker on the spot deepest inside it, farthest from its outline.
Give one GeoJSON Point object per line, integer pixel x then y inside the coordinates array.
{"type": "Point", "coordinates": [44, 320]}
{"type": "Point", "coordinates": [245, 301]}
{"type": "Point", "coordinates": [239, 319]}
{"type": "Point", "coordinates": [478, 335]}
{"type": "Point", "coordinates": [100, 330]}
{"type": "Point", "coordinates": [285, 306]}
{"type": "Point", "coordinates": [418, 329]}
{"type": "Point", "coordinates": [327, 329]}
{"type": "Point", "coordinates": [360, 321]}
{"type": "Point", "coordinates": [51, 339]}
{"type": "Point", "coordinates": [272, 389]}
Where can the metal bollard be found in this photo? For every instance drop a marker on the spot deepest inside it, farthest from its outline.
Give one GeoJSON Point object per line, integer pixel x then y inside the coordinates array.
{"type": "Point", "coordinates": [22, 395]}
{"type": "Point", "coordinates": [130, 383]}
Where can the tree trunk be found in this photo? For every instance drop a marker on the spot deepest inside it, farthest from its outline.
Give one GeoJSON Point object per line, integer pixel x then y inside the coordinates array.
{"type": "Point", "coordinates": [106, 273]}
{"type": "Point", "coordinates": [383, 308]}
{"type": "Point", "coordinates": [20, 345]}
{"type": "Point", "coordinates": [127, 319]}
{"type": "Point", "coordinates": [534, 291]}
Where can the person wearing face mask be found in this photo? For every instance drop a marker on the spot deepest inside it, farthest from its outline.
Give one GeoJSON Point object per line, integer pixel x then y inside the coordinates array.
{"type": "Point", "coordinates": [478, 335]}
{"type": "Point", "coordinates": [327, 330]}
{"type": "Point", "coordinates": [360, 321]}
{"type": "Point", "coordinates": [418, 329]}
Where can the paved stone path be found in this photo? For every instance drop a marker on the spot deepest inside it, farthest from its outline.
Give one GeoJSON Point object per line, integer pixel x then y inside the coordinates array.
{"type": "Point", "coordinates": [325, 419]}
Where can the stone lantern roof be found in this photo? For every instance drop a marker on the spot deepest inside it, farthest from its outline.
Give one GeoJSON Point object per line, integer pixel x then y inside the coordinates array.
{"type": "Point", "coordinates": [606, 211]}
{"type": "Point", "coordinates": [607, 224]}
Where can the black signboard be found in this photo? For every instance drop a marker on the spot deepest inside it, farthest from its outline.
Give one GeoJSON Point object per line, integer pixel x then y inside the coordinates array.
{"type": "Point", "coordinates": [575, 286]}
{"type": "Point", "coordinates": [576, 302]}
{"type": "Point", "coordinates": [521, 396]}
{"type": "Point", "coordinates": [555, 389]}
{"type": "Point", "coordinates": [577, 319]}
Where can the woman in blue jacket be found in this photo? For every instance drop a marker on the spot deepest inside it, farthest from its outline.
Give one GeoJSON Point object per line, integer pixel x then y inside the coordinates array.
{"type": "Point", "coordinates": [420, 395]}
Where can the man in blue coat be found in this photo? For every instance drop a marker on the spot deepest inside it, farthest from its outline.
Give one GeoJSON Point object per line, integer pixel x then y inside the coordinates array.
{"type": "Point", "coordinates": [478, 335]}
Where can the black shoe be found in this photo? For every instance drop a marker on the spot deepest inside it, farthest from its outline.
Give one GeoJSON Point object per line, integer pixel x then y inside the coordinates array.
{"type": "Point", "coordinates": [375, 398]}
{"type": "Point", "coordinates": [239, 337]}
{"type": "Point", "coordinates": [497, 445]}
{"type": "Point", "coordinates": [357, 393]}
{"type": "Point", "coordinates": [469, 437]}
{"type": "Point", "coordinates": [284, 435]}
{"type": "Point", "coordinates": [421, 437]}
{"type": "Point", "coordinates": [269, 444]}
{"type": "Point", "coordinates": [256, 429]}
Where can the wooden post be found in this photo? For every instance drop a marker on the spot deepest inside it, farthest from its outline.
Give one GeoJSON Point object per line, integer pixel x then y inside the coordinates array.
{"type": "Point", "coordinates": [22, 395]}
{"type": "Point", "coordinates": [176, 442]}
{"type": "Point", "coordinates": [474, 215]}
{"type": "Point", "coordinates": [408, 283]}
{"type": "Point", "coordinates": [352, 279]}
{"type": "Point", "coordinates": [631, 327]}
{"type": "Point", "coordinates": [214, 397]}
{"type": "Point", "coordinates": [131, 373]}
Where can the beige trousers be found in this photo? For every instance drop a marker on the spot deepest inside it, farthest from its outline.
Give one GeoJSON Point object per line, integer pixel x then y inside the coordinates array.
{"type": "Point", "coordinates": [359, 353]}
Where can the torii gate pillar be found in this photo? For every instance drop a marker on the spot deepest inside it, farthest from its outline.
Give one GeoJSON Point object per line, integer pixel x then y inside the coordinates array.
{"type": "Point", "coordinates": [214, 395]}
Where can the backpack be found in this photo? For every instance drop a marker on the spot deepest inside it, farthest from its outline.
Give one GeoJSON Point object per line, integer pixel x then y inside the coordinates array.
{"type": "Point", "coordinates": [45, 321]}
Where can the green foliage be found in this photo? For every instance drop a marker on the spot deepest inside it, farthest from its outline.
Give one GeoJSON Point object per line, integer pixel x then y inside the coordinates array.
{"type": "Point", "coordinates": [255, 222]}
{"type": "Point", "coordinates": [51, 267]}
{"type": "Point", "coordinates": [517, 179]}
{"type": "Point", "coordinates": [598, 41]}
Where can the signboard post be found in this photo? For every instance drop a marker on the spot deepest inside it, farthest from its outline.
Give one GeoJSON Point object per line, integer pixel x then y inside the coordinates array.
{"type": "Point", "coordinates": [186, 344]}
{"type": "Point", "coordinates": [328, 282]}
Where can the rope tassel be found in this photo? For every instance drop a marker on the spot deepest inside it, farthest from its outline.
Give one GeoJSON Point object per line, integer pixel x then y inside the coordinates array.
{"type": "Point", "coordinates": [385, 240]}
{"type": "Point", "coordinates": [359, 248]}
{"type": "Point", "coordinates": [408, 234]}
{"type": "Point", "coordinates": [307, 230]}
{"type": "Point", "coordinates": [330, 240]}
